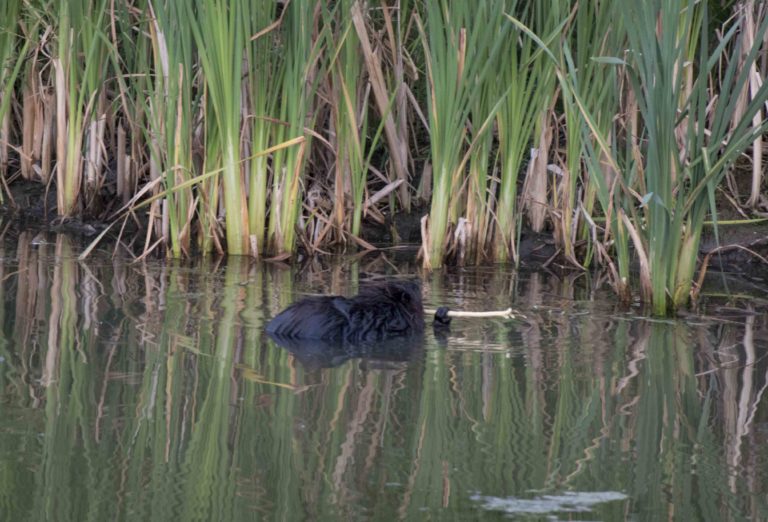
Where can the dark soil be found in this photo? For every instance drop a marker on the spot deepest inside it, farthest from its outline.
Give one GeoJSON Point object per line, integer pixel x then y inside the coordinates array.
{"type": "Point", "coordinates": [33, 205]}
{"type": "Point", "coordinates": [742, 247]}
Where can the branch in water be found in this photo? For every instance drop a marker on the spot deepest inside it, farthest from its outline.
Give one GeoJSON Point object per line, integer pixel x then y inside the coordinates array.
{"type": "Point", "coordinates": [507, 314]}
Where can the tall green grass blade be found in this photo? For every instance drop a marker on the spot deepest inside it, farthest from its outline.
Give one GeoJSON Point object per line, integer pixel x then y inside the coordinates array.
{"type": "Point", "coordinates": [11, 63]}
{"type": "Point", "coordinates": [527, 67]}
{"type": "Point", "coordinates": [171, 114]}
{"type": "Point", "coordinates": [218, 31]}
{"type": "Point", "coordinates": [298, 78]}
{"type": "Point", "coordinates": [264, 65]}
{"type": "Point", "coordinates": [460, 54]}
{"type": "Point", "coordinates": [79, 77]}
{"type": "Point", "coordinates": [349, 111]}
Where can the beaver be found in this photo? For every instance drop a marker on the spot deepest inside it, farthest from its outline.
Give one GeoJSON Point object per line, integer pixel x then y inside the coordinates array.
{"type": "Point", "coordinates": [381, 311]}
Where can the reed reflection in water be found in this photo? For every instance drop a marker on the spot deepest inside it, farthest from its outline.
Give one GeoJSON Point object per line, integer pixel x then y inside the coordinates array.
{"type": "Point", "coordinates": [148, 391]}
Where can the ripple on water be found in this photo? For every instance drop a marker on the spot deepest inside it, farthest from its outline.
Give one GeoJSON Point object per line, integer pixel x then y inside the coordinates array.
{"type": "Point", "coordinates": [567, 502]}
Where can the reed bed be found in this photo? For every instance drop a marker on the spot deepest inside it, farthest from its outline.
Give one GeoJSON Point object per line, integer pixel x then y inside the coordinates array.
{"type": "Point", "coordinates": [265, 129]}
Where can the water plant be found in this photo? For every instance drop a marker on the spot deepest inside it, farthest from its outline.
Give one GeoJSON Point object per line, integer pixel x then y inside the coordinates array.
{"type": "Point", "coordinates": [10, 66]}
{"type": "Point", "coordinates": [263, 63]}
{"type": "Point", "coordinates": [685, 140]}
{"type": "Point", "coordinates": [612, 128]}
{"type": "Point", "coordinates": [81, 102]}
{"type": "Point", "coordinates": [298, 81]}
{"type": "Point", "coordinates": [170, 112]}
{"type": "Point", "coordinates": [218, 31]}
{"type": "Point", "coordinates": [460, 54]}
{"type": "Point", "coordinates": [522, 120]}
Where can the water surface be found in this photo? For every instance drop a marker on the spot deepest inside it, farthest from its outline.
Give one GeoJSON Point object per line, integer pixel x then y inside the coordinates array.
{"type": "Point", "coordinates": [148, 391]}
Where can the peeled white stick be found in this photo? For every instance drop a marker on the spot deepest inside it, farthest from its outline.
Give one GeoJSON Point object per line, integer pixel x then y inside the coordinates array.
{"type": "Point", "coordinates": [507, 314]}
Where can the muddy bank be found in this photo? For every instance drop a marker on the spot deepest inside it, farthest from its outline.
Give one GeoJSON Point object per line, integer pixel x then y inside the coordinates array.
{"type": "Point", "coordinates": [32, 205]}
{"type": "Point", "coordinates": [736, 247]}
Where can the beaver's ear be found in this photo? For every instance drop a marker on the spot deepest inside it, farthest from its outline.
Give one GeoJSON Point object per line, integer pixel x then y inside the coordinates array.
{"type": "Point", "coordinates": [410, 290]}
{"type": "Point", "coordinates": [407, 293]}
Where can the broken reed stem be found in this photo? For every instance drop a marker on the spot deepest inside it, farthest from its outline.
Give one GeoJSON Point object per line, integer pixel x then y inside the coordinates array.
{"type": "Point", "coordinates": [506, 314]}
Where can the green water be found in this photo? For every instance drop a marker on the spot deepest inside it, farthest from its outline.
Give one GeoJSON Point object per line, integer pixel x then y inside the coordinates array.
{"type": "Point", "coordinates": [148, 391]}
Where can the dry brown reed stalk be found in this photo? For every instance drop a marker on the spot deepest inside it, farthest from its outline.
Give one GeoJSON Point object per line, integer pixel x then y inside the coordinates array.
{"type": "Point", "coordinates": [94, 152]}
{"type": "Point", "coordinates": [48, 134]}
{"type": "Point", "coordinates": [37, 127]}
{"type": "Point", "coordinates": [646, 290]}
{"type": "Point", "coordinates": [396, 132]}
{"type": "Point", "coordinates": [534, 193]}
{"type": "Point", "coordinates": [751, 14]}
{"type": "Point", "coordinates": [122, 160]}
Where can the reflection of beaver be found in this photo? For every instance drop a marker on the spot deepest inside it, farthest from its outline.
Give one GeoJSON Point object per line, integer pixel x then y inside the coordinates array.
{"type": "Point", "coordinates": [380, 311]}
{"type": "Point", "coordinates": [314, 354]}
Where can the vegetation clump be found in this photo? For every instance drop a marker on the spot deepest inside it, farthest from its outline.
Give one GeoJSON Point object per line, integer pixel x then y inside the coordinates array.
{"type": "Point", "coordinates": [255, 127]}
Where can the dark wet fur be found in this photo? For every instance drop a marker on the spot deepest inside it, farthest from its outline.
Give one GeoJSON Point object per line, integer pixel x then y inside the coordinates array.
{"type": "Point", "coordinates": [381, 311]}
